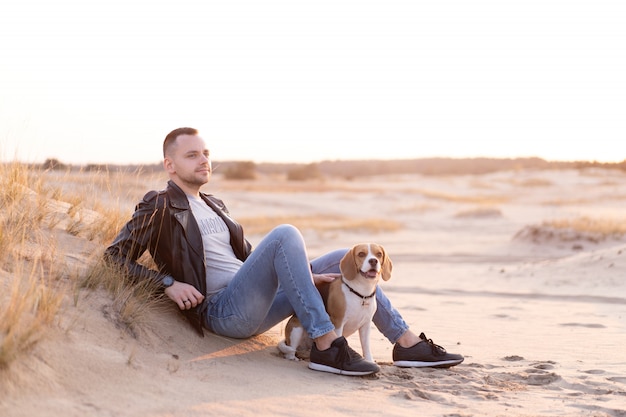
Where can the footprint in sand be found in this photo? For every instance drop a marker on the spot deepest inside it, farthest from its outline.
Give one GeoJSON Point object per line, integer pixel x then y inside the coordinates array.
{"type": "Point", "coordinates": [586, 325]}
{"type": "Point", "coordinates": [537, 375]}
{"type": "Point", "coordinates": [540, 379]}
{"type": "Point", "coordinates": [620, 379]}
{"type": "Point", "coordinates": [594, 371]}
{"type": "Point", "coordinates": [513, 358]}
{"type": "Point", "coordinates": [503, 316]}
{"type": "Point", "coordinates": [544, 365]}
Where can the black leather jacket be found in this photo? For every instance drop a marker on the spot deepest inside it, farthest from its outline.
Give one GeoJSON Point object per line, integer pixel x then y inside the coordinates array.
{"type": "Point", "coordinates": [163, 224]}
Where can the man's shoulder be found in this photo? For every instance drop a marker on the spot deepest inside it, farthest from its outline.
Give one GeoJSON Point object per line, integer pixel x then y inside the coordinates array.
{"type": "Point", "coordinates": [151, 195]}
{"type": "Point", "coordinates": [154, 199]}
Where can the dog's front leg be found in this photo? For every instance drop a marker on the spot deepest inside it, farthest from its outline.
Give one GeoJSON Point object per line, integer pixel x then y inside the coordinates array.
{"type": "Point", "coordinates": [364, 336]}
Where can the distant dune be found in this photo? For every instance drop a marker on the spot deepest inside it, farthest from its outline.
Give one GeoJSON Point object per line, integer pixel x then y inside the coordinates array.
{"type": "Point", "coordinates": [357, 168]}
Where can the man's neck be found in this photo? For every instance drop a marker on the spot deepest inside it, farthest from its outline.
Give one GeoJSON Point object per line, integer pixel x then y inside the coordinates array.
{"type": "Point", "coordinates": [189, 189]}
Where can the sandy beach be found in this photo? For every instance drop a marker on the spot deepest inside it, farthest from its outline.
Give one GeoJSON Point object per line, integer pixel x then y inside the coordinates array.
{"type": "Point", "coordinates": [482, 265]}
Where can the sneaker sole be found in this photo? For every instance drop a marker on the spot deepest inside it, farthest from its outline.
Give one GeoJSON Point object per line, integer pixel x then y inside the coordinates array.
{"type": "Point", "coordinates": [330, 369]}
{"type": "Point", "coordinates": [419, 364]}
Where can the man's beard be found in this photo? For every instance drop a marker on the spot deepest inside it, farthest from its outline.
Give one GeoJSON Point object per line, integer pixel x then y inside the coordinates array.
{"type": "Point", "coordinates": [195, 179]}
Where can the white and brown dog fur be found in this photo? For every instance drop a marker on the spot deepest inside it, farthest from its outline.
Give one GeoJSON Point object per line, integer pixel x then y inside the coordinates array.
{"type": "Point", "coordinates": [350, 301]}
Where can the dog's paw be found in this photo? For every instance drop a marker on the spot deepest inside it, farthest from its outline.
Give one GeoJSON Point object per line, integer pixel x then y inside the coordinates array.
{"type": "Point", "coordinates": [287, 351]}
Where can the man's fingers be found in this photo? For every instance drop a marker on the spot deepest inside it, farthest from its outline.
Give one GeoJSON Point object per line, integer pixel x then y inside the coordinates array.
{"type": "Point", "coordinates": [320, 278]}
{"type": "Point", "coordinates": [184, 295]}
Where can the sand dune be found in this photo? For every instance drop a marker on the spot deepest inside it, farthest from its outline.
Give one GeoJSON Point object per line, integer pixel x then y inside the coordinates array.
{"type": "Point", "coordinates": [540, 317]}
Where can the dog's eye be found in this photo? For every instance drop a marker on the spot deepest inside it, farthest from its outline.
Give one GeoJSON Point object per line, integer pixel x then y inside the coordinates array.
{"type": "Point", "coordinates": [379, 255]}
{"type": "Point", "coordinates": [362, 254]}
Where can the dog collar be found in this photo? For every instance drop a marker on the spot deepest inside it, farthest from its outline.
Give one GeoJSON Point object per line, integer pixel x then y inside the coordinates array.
{"type": "Point", "coordinates": [364, 297]}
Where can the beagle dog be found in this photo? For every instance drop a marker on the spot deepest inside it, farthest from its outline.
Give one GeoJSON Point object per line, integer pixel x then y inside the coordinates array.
{"type": "Point", "coordinates": [350, 301]}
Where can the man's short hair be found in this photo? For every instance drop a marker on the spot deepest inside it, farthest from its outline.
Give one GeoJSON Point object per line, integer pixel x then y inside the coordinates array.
{"type": "Point", "coordinates": [171, 137]}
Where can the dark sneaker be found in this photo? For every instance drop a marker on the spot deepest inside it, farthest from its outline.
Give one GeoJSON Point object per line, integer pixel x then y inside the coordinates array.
{"type": "Point", "coordinates": [424, 354]}
{"type": "Point", "coordinates": [339, 358]}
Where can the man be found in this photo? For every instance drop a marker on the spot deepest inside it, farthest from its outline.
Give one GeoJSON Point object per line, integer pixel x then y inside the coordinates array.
{"type": "Point", "coordinates": [208, 268]}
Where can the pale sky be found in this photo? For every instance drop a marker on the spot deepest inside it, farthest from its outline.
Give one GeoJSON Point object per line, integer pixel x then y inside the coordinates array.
{"type": "Point", "coordinates": [103, 81]}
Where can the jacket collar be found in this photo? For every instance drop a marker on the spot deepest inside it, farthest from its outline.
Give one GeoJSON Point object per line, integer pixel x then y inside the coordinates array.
{"type": "Point", "coordinates": [178, 198]}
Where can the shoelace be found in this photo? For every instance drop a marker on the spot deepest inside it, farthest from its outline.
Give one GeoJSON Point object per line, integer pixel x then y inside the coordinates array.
{"type": "Point", "coordinates": [348, 355]}
{"type": "Point", "coordinates": [435, 348]}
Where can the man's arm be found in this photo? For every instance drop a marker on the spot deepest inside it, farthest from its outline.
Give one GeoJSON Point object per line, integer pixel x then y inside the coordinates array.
{"type": "Point", "coordinates": [133, 240]}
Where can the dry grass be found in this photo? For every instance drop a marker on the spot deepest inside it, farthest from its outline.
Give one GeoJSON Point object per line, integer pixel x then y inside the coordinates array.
{"type": "Point", "coordinates": [36, 281]}
{"type": "Point", "coordinates": [263, 224]}
{"type": "Point", "coordinates": [22, 210]}
{"type": "Point", "coordinates": [576, 229]}
{"type": "Point", "coordinates": [417, 208]}
{"type": "Point", "coordinates": [536, 182]}
{"type": "Point", "coordinates": [605, 227]}
{"type": "Point", "coordinates": [27, 313]}
{"type": "Point", "coordinates": [33, 300]}
{"type": "Point", "coordinates": [131, 302]}
{"type": "Point", "coordinates": [529, 182]}
{"type": "Point", "coordinates": [479, 213]}
{"type": "Point", "coordinates": [458, 198]}
{"type": "Point", "coordinates": [567, 202]}
{"type": "Point", "coordinates": [280, 185]}
{"type": "Point", "coordinates": [99, 203]}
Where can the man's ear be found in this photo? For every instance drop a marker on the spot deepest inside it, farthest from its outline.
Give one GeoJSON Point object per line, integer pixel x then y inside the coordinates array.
{"type": "Point", "coordinates": [168, 165]}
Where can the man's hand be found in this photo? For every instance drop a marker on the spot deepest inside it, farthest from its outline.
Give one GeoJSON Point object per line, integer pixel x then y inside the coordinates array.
{"type": "Point", "coordinates": [185, 295]}
{"type": "Point", "coordinates": [322, 278]}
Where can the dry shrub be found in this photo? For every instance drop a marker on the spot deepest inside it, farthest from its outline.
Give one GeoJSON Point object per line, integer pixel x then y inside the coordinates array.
{"type": "Point", "coordinates": [606, 227]}
{"type": "Point", "coordinates": [569, 230]}
{"type": "Point", "coordinates": [304, 173]}
{"type": "Point", "coordinates": [418, 208]}
{"type": "Point", "coordinates": [245, 170]}
{"type": "Point", "coordinates": [480, 213]}
{"type": "Point", "coordinates": [277, 184]}
{"type": "Point", "coordinates": [456, 198]}
{"type": "Point", "coordinates": [567, 202]}
{"type": "Point", "coordinates": [528, 182]}
{"type": "Point", "coordinates": [536, 182]}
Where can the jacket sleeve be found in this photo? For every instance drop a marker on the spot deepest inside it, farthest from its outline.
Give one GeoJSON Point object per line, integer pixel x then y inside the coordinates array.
{"type": "Point", "coordinates": [135, 238]}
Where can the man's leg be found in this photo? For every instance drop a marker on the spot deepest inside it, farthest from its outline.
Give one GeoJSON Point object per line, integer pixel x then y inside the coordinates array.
{"type": "Point", "coordinates": [279, 261]}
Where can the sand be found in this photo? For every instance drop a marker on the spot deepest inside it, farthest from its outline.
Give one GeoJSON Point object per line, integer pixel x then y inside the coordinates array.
{"type": "Point", "coordinates": [539, 314]}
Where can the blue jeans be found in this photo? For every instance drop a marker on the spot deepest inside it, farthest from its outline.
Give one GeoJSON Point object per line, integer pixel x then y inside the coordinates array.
{"type": "Point", "coordinates": [275, 282]}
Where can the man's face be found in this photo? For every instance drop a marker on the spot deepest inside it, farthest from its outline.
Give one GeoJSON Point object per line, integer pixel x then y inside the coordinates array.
{"type": "Point", "coordinates": [189, 160]}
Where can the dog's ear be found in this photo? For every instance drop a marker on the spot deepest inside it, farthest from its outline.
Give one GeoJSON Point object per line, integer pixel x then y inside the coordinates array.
{"type": "Point", "coordinates": [348, 265]}
{"type": "Point", "coordinates": [387, 266]}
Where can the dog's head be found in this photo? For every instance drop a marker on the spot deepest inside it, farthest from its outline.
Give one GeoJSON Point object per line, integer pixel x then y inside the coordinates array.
{"type": "Point", "coordinates": [368, 260]}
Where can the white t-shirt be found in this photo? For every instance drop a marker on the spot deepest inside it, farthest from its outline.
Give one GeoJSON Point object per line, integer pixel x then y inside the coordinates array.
{"type": "Point", "coordinates": [219, 258]}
